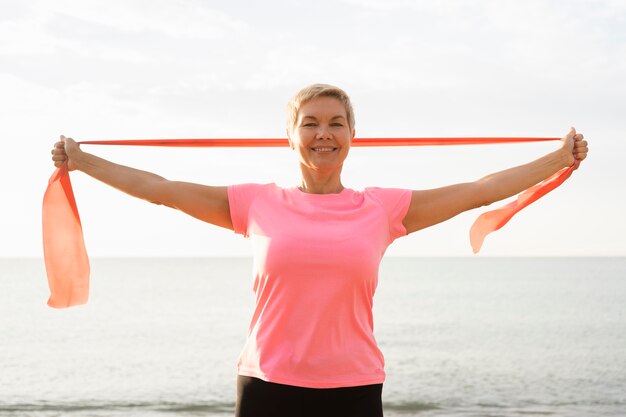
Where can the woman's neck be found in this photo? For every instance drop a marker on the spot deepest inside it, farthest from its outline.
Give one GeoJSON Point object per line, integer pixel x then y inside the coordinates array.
{"type": "Point", "coordinates": [321, 185]}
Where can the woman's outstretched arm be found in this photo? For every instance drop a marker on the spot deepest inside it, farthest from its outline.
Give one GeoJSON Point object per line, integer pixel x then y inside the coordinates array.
{"type": "Point", "coordinates": [429, 207]}
{"type": "Point", "coordinates": [207, 203]}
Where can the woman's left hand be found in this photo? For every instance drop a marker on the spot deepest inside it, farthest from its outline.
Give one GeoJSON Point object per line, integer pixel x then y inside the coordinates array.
{"type": "Point", "coordinates": [575, 146]}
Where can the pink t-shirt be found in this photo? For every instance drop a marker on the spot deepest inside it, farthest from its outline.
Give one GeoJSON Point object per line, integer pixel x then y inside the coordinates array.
{"type": "Point", "coordinates": [316, 259]}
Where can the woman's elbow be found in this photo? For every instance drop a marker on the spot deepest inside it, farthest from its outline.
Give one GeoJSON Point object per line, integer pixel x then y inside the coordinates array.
{"type": "Point", "coordinates": [159, 192]}
{"type": "Point", "coordinates": [483, 193]}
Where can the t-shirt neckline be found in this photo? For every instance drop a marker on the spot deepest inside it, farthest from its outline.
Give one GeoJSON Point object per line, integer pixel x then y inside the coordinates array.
{"type": "Point", "coordinates": [296, 190]}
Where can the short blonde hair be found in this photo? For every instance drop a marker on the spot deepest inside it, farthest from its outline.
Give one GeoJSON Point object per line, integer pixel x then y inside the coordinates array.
{"type": "Point", "coordinates": [314, 91]}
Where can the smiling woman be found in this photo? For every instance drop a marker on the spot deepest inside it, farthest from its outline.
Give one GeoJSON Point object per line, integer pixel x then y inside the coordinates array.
{"type": "Point", "coordinates": [311, 349]}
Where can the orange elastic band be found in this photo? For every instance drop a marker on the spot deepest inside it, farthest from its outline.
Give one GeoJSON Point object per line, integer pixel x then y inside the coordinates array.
{"type": "Point", "coordinates": [283, 142]}
{"type": "Point", "coordinates": [67, 263]}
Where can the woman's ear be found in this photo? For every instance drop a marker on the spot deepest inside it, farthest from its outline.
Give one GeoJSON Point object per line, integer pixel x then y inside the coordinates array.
{"type": "Point", "coordinates": [289, 139]}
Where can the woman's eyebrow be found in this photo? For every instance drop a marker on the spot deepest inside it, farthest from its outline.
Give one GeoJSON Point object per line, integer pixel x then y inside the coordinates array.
{"type": "Point", "coordinates": [339, 116]}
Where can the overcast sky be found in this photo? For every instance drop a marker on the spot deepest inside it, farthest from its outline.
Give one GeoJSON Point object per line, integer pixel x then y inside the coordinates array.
{"type": "Point", "coordinates": [193, 68]}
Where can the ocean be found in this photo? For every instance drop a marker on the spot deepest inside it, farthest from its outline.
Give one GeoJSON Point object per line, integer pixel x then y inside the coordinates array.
{"type": "Point", "coordinates": [461, 337]}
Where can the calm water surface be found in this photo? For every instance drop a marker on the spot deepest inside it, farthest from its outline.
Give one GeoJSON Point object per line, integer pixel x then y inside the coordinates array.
{"type": "Point", "coordinates": [461, 337]}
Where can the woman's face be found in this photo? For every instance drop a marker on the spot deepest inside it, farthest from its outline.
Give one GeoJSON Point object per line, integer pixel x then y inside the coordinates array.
{"type": "Point", "coordinates": [322, 136]}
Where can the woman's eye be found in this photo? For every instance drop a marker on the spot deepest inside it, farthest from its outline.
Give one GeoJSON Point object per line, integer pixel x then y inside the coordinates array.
{"type": "Point", "coordinates": [310, 125]}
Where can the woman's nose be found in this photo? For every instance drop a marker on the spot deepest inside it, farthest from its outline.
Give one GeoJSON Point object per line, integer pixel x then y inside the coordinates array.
{"type": "Point", "coordinates": [323, 132]}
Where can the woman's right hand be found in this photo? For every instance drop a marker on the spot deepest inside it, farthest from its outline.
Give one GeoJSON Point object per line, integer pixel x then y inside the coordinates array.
{"type": "Point", "coordinates": [66, 150]}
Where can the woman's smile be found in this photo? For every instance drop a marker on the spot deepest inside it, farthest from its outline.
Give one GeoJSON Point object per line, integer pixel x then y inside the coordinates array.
{"type": "Point", "coordinates": [324, 149]}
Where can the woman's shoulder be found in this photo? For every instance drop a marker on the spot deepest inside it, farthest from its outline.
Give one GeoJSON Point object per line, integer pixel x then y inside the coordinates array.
{"type": "Point", "coordinates": [389, 198]}
{"type": "Point", "coordinates": [383, 192]}
{"type": "Point", "coordinates": [248, 191]}
{"type": "Point", "coordinates": [253, 186]}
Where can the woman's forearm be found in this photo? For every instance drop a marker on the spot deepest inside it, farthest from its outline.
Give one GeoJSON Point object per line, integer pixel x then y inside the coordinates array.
{"type": "Point", "coordinates": [512, 181]}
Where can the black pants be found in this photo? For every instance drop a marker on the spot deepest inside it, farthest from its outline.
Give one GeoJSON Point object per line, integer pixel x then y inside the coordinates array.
{"type": "Point", "coordinates": [257, 398]}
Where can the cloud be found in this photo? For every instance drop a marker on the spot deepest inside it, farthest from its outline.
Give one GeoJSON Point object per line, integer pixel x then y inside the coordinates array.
{"type": "Point", "coordinates": [180, 19]}
{"type": "Point", "coordinates": [111, 30]}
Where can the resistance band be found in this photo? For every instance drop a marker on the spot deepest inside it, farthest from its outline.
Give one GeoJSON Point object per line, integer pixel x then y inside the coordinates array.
{"type": "Point", "coordinates": [67, 264]}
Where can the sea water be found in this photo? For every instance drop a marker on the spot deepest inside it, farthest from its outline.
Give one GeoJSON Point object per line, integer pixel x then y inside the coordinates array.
{"type": "Point", "coordinates": [461, 337]}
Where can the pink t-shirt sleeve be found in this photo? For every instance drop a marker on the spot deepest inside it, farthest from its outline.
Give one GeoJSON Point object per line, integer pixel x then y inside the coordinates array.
{"type": "Point", "coordinates": [395, 202]}
{"type": "Point", "coordinates": [240, 199]}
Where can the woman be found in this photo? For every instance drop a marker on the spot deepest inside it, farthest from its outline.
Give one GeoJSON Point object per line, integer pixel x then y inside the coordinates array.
{"type": "Point", "coordinates": [317, 247]}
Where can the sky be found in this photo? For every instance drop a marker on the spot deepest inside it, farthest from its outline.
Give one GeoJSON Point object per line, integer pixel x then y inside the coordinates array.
{"type": "Point", "coordinates": [201, 69]}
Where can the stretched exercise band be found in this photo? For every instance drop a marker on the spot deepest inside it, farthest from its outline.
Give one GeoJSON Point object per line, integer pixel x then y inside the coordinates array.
{"type": "Point", "coordinates": [67, 264]}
